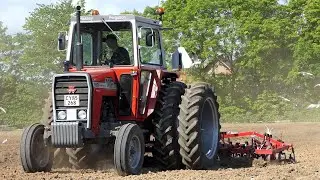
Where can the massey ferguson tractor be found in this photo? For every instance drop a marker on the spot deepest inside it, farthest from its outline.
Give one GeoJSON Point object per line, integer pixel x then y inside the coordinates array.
{"type": "Point", "coordinates": [128, 102]}
{"type": "Point", "coordinates": [117, 97]}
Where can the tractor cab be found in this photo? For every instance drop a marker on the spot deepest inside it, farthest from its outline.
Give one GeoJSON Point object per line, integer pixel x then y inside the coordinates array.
{"type": "Point", "coordinates": [138, 41]}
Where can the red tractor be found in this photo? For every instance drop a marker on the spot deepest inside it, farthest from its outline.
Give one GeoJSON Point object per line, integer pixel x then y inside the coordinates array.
{"type": "Point", "coordinates": [116, 93]}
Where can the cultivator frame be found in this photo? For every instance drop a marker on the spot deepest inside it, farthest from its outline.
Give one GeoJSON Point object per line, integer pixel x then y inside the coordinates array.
{"type": "Point", "coordinates": [258, 146]}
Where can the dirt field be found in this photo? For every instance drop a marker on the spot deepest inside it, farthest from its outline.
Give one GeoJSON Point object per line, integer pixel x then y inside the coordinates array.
{"type": "Point", "coordinates": [304, 136]}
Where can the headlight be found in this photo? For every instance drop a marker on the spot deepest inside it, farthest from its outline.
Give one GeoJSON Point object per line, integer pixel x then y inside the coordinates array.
{"type": "Point", "coordinates": [82, 114]}
{"type": "Point", "coordinates": [62, 115]}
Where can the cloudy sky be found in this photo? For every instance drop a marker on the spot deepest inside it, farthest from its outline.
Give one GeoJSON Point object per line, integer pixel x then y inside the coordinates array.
{"type": "Point", "coordinates": [14, 12]}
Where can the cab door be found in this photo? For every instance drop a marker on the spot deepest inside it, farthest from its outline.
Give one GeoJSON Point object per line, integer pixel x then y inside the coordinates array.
{"type": "Point", "coordinates": [151, 65]}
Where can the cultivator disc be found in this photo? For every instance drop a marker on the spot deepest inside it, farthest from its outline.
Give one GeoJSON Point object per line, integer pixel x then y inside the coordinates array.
{"type": "Point", "coordinates": [255, 146]}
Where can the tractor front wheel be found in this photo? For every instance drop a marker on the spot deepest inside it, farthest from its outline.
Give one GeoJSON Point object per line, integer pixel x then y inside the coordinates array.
{"type": "Point", "coordinates": [199, 127]}
{"type": "Point", "coordinates": [35, 156]}
{"type": "Point", "coordinates": [129, 150]}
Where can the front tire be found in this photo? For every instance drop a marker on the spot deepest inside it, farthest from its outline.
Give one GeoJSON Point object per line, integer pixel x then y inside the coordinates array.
{"type": "Point", "coordinates": [35, 156]}
{"type": "Point", "coordinates": [129, 150]}
{"type": "Point", "coordinates": [199, 127]}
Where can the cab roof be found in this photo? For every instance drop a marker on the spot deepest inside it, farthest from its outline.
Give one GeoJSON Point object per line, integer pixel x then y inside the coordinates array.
{"type": "Point", "coordinates": [124, 17]}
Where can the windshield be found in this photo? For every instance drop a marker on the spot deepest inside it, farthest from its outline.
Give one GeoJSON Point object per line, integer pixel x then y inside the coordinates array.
{"type": "Point", "coordinates": [101, 46]}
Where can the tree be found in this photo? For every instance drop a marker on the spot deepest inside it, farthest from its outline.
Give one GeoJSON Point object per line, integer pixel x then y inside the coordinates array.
{"type": "Point", "coordinates": [41, 58]}
{"type": "Point", "coordinates": [304, 16]}
{"type": "Point", "coordinates": [254, 37]}
{"type": "Point", "coordinates": [28, 61]}
{"type": "Point", "coordinates": [16, 94]}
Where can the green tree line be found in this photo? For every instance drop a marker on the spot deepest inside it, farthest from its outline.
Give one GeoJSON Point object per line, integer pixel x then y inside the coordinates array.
{"type": "Point", "coordinates": [272, 50]}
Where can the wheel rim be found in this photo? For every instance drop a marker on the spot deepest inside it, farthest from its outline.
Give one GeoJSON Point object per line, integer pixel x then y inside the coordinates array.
{"type": "Point", "coordinates": [209, 129]}
{"type": "Point", "coordinates": [40, 151]}
{"type": "Point", "coordinates": [134, 152]}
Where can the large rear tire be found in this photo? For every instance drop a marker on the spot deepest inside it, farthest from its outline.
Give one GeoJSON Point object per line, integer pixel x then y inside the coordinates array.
{"type": "Point", "coordinates": [84, 157]}
{"type": "Point", "coordinates": [60, 158]}
{"type": "Point", "coordinates": [199, 127]}
{"type": "Point", "coordinates": [47, 110]}
{"type": "Point", "coordinates": [35, 156]}
{"type": "Point", "coordinates": [78, 157]}
{"type": "Point", "coordinates": [129, 150]}
{"type": "Point", "coordinates": [166, 147]}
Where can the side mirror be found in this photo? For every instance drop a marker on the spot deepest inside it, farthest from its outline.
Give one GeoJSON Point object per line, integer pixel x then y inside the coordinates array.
{"type": "Point", "coordinates": [181, 59]}
{"type": "Point", "coordinates": [176, 61]}
{"type": "Point", "coordinates": [62, 38]}
{"type": "Point", "coordinates": [148, 35]}
{"type": "Point", "coordinates": [150, 39]}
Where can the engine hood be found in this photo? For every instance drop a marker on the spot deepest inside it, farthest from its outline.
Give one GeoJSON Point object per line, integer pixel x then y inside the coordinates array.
{"type": "Point", "coordinates": [99, 74]}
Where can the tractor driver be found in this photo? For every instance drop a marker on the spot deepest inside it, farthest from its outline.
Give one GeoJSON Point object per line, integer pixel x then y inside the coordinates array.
{"type": "Point", "coordinates": [120, 55]}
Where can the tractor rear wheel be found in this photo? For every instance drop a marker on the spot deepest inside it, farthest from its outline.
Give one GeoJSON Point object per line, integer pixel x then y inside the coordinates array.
{"type": "Point", "coordinates": [199, 127]}
{"type": "Point", "coordinates": [35, 156]}
{"type": "Point", "coordinates": [165, 121]}
{"type": "Point", "coordinates": [79, 157]}
{"type": "Point", "coordinates": [129, 149]}
{"type": "Point", "coordinates": [47, 110]}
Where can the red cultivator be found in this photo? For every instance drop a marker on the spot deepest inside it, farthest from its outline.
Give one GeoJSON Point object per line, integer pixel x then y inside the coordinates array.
{"type": "Point", "coordinates": [256, 146]}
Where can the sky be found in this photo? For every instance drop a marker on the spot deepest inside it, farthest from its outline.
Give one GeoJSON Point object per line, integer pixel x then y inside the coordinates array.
{"type": "Point", "coordinates": [14, 12]}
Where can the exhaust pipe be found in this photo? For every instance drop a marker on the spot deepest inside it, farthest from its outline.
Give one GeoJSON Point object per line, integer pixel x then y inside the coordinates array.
{"type": "Point", "coordinates": [79, 44]}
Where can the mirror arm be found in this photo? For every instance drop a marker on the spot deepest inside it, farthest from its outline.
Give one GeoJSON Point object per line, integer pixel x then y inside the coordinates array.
{"type": "Point", "coordinates": [66, 65]}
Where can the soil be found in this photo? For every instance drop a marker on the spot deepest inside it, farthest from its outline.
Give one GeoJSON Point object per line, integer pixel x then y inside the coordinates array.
{"type": "Point", "coordinates": [304, 136]}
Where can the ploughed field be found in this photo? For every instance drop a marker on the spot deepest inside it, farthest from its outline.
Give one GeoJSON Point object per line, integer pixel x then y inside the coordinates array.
{"type": "Point", "coordinates": [304, 136]}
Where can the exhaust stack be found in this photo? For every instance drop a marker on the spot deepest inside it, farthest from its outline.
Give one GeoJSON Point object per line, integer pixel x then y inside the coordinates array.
{"type": "Point", "coordinates": [79, 44]}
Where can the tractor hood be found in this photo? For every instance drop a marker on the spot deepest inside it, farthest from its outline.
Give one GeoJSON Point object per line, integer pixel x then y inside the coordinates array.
{"type": "Point", "coordinates": [99, 74]}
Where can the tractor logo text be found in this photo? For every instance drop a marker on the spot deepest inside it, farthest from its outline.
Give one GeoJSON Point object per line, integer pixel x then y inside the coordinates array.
{"type": "Point", "coordinates": [71, 90]}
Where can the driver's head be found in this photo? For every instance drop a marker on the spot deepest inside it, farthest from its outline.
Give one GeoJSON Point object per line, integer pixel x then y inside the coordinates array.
{"type": "Point", "coordinates": [111, 41]}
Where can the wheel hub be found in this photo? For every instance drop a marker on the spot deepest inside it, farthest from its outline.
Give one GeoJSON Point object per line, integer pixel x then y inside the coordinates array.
{"type": "Point", "coordinates": [134, 152]}
{"type": "Point", "coordinates": [209, 128]}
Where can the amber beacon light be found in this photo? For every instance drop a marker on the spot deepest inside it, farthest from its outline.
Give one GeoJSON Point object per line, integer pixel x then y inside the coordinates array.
{"type": "Point", "coordinates": [95, 12]}
{"type": "Point", "coordinates": [160, 11]}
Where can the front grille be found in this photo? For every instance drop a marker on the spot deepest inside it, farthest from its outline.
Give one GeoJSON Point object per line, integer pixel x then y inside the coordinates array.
{"type": "Point", "coordinates": [61, 86]}
{"type": "Point", "coordinates": [66, 134]}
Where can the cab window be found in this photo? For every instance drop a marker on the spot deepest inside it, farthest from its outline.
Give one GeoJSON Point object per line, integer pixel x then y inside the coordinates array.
{"type": "Point", "coordinates": [150, 54]}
